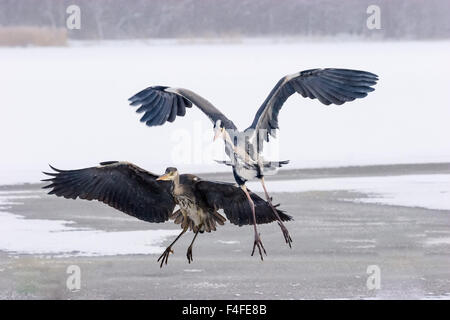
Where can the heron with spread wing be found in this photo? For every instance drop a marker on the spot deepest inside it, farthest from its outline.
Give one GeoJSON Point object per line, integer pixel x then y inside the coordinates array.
{"type": "Point", "coordinates": [152, 198]}
{"type": "Point", "coordinates": [160, 104]}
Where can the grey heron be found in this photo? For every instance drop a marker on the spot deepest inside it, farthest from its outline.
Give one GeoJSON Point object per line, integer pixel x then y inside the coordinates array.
{"type": "Point", "coordinates": [153, 198]}
{"type": "Point", "coordinates": [244, 148]}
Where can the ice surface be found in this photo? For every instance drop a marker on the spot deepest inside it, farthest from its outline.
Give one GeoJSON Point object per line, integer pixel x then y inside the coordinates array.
{"type": "Point", "coordinates": [430, 191]}
{"type": "Point", "coordinates": [68, 106]}
{"type": "Point", "coordinates": [438, 241]}
{"type": "Point", "coordinates": [228, 241]}
{"type": "Point", "coordinates": [57, 237]}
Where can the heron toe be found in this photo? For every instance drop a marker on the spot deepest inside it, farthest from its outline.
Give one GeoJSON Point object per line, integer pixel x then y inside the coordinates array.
{"type": "Point", "coordinates": [189, 254]}
{"type": "Point", "coordinates": [258, 243]}
{"type": "Point", "coordinates": [287, 236]}
{"type": "Point", "coordinates": [165, 256]}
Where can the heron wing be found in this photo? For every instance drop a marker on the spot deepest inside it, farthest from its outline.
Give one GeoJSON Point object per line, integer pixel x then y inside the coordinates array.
{"type": "Point", "coordinates": [329, 86]}
{"type": "Point", "coordinates": [121, 185]}
{"type": "Point", "coordinates": [233, 201]}
{"type": "Point", "coordinates": [160, 104]}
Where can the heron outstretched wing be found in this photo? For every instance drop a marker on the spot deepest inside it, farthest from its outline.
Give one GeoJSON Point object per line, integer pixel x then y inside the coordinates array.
{"type": "Point", "coordinates": [121, 185]}
{"type": "Point", "coordinates": [233, 201]}
{"type": "Point", "coordinates": [329, 86]}
{"type": "Point", "coordinates": [160, 104]}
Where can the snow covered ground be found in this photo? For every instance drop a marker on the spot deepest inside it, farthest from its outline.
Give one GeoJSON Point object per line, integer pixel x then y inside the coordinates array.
{"type": "Point", "coordinates": [68, 106]}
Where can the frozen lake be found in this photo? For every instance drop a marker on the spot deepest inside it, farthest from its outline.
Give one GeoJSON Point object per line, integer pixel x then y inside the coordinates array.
{"type": "Point", "coordinates": [425, 191]}
{"type": "Point", "coordinates": [60, 238]}
{"type": "Point", "coordinates": [342, 225]}
{"type": "Point", "coordinates": [68, 106]}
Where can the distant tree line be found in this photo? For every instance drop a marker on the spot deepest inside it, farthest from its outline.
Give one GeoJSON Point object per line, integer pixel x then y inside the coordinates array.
{"type": "Point", "coordinates": [124, 19]}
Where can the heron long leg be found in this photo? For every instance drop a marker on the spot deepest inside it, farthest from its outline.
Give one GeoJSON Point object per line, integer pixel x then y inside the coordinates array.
{"type": "Point", "coordinates": [258, 242]}
{"type": "Point", "coordinates": [165, 256]}
{"type": "Point", "coordinates": [285, 231]}
{"type": "Point", "coordinates": [189, 250]}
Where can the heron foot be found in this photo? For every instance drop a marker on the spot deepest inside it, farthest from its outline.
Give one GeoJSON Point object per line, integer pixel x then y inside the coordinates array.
{"type": "Point", "coordinates": [165, 256]}
{"type": "Point", "coordinates": [258, 243]}
{"type": "Point", "coordinates": [287, 236]}
{"type": "Point", "coordinates": [189, 254]}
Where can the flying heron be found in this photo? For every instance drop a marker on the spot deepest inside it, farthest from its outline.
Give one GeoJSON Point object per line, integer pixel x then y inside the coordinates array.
{"type": "Point", "coordinates": [152, 198]}
{"type": "Point", "coordinates": [244, 148]}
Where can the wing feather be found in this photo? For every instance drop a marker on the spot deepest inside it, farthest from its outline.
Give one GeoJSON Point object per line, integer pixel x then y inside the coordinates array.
{"type": "Point", "coordinates": [151, 109]}
{"type": "Point", "coordinates": [120, 185]}
{"type": "Point", "coordinates": [173, 110]}
{"type": "Point", "coordinates": [164, 113]}
{"type": "Point", "coordinates": [161, 104]}
{"type": "Point", "coordinates": [233, 201]}
{"type": "Point", "coordinates": [329, 86]}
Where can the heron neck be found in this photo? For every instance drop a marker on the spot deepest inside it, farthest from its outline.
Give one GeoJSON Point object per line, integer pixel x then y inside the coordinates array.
{"type": "Point", "coordinates": [176, 183]}
{"type": "Point", "coordinates": [227, 138]}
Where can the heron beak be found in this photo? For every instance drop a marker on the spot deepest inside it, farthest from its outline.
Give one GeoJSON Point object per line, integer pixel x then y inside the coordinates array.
{"type": "Point", "coordinates": [218, 133]}
{"type": "Point", "coordinates": [164, 177]}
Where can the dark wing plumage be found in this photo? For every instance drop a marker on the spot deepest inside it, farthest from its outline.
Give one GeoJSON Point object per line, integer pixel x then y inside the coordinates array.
{"type": "Point", "coordinates": [120, 185]}
{"type": "Point", "coordinates": [329, 86]}
{"type": "Point", "coordinates": [233, 201]}
{"type": "Point", "coordinates": [160, 104]}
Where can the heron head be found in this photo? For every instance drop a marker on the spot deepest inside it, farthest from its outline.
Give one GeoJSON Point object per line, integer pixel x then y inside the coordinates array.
{"type": "Point", "coordinates": [170, 174]}
{"type": "Point", "coordinates": [218, 130]}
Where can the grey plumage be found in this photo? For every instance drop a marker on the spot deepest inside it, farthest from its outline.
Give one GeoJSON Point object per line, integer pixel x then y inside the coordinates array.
{"type": "Point", "coordinates": [135, 191]}
{"type": "Point", "coordinates": [329, 86]}
{"type": "Point", "coordinates": [244, 148]}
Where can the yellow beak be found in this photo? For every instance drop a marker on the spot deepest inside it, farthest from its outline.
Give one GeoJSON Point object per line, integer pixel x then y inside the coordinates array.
{"type": "Point", "coordinates": [217, 134]}
{"type": "Point", "coordinates": [164, 177]}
